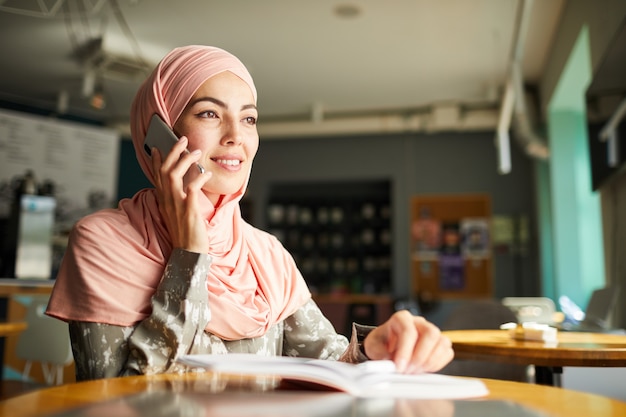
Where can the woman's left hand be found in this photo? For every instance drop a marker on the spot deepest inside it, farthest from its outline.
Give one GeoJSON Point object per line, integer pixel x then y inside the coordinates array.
{"type": "Point", "coordinates": [413, 343]}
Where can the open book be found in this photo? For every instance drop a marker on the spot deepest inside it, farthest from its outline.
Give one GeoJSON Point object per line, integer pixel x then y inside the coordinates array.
{"type": "Point", "coordinates": [367, 379]}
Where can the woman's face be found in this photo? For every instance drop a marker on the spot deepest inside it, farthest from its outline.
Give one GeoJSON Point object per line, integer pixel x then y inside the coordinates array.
{"type": "Point", "coordinates": [220, 120]}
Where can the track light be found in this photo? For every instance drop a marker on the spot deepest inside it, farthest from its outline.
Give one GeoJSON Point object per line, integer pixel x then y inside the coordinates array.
{"type": "Point", "coordinates": [97, 100]}
{"type": "Point", "coordinates": [63, 100]}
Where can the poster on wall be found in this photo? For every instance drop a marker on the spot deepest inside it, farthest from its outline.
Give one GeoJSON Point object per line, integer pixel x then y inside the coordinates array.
{"type": "Point", "coordinates": [475, 237]}
{"type": "Point", "coordinates": [426, 235]}
{"type": "Point", "coordinates": [451, 261]}
{"type": "Point", "coordinates": [79, 162]}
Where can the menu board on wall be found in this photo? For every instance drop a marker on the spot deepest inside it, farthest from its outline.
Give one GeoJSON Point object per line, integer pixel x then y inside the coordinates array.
{"type": "Point", "coordinates": [80, 161]}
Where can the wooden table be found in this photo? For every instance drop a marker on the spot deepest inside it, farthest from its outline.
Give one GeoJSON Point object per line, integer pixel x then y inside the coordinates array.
{"type": "Point", "coordinates": [11, 327]}
{"type": "Point", "coordinates": [15, 286]}
{"type": "Point", "coordinates": [214, 395]}
{"type": "Point", "coordinates": [572, 349]}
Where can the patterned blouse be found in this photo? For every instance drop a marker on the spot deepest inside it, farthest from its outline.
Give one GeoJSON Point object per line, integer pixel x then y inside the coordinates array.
{"type": "Point", "coordinates": [180, 313]}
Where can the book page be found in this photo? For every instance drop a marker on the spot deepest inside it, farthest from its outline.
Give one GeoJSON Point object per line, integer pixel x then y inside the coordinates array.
{"type": "Point", "coordinates": [375, 379]}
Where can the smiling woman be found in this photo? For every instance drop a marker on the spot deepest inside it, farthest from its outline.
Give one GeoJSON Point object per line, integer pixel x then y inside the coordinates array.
{"type": "Point", "coordinates": [176, 270]}
{"type": "Point", "coordinates": [220, 122]}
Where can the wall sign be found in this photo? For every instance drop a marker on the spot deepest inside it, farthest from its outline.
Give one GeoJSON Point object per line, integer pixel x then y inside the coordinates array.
{"type": "Point", "coordinates": [81, 161]}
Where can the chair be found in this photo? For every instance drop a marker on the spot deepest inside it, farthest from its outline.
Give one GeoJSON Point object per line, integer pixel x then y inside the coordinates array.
{"type": "Point", "coordinates": [46, 340]}
{"type": "Point", "coordinates": [482, 314]}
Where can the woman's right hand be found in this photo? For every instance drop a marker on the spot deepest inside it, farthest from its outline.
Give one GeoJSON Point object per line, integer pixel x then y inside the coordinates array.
{"type": "Point", "coordinates": [178, 200]}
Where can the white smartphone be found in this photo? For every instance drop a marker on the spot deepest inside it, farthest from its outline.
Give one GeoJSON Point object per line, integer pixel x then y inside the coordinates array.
{"type": "Point", "coordinates": [160, 136]}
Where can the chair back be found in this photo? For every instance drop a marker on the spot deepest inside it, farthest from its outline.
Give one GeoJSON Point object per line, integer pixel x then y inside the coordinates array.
{"type": "Point", "coordinates": [482, 314]}
{"type": "Point", "coordinates": [46, 340]}
{"type": "Point", "coordinates": [478, 314]}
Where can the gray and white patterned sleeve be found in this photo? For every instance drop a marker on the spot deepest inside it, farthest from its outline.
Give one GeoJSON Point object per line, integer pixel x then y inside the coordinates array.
{"type": "Point", "coordinates": [180, 313]}
{"type": "Point", "coordinates": [310, 334]}
{"type": "Point", "coordinates": [100, 350]}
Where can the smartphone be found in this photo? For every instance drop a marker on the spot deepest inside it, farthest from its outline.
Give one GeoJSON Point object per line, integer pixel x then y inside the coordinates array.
{"type": "Point", "coordinates": [160, 136]}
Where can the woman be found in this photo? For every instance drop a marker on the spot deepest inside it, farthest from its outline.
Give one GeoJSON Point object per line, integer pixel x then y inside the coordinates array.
{"type": "Point", "coordinates": [176, 270]}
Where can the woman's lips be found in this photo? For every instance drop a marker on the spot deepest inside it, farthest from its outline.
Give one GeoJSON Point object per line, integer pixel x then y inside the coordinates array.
{"type": "Point", "coordinates": [232, 164]}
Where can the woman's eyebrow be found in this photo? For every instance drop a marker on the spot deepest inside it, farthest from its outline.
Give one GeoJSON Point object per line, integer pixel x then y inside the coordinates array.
{"type": "Point", "coordinates": [219, 103]}
{"type": "Point", "coordinates": [206, 98]}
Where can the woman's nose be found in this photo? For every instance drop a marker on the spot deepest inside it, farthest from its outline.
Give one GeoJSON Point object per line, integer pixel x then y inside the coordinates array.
{"type": "Point", "coordinates": [232, 133]}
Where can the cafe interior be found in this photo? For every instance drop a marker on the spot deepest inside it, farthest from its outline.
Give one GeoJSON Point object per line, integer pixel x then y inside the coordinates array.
{"type": "Point", "coordinates": [460, 159]}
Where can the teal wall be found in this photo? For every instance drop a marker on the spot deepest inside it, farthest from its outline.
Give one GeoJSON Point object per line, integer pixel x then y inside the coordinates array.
{"type": "Point", "coordinates": [576, 227]}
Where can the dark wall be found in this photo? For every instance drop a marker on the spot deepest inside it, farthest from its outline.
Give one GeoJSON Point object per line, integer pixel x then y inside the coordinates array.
{"type": "Point", "coordinates": [414, 164]}
{"type": "Point", "coordinates": [131, 177]}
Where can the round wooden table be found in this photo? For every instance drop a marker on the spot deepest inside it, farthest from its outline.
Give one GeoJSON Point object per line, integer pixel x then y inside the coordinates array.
{"type": "Point", "coordinates": [220, 394]}
{"type": "Point", "coordinates": [571, 349]}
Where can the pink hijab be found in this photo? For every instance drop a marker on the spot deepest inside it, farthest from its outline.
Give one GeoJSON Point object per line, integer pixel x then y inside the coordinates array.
{"type": "Point", "coordinates": [116, 257]}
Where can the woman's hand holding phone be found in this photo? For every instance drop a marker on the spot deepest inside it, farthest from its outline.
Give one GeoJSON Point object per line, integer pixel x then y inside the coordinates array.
{"type": "Point", "coordinates": [179, 198]}
{"type": "Point", "coordinates": [159, 135]}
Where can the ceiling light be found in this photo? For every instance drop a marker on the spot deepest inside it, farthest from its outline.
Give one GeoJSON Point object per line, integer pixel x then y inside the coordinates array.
{"type": "Point", "coordinates": [97, 99]}
{"type": "Point", "coordinates": [347, 11]}
{"type": "Point", "coordinates": [89, 82]}
{"type": "Point", "coordinates": [63, 101]}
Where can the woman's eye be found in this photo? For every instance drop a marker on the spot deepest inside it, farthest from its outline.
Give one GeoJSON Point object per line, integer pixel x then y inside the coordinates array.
{"type": "Point", "coordinates": [208, 114]}
{"type": "Point", "coordinates": [250, 120]}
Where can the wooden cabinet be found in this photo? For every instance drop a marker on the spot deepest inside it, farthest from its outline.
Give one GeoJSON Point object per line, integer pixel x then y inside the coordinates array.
{"type": "Point", "coordinates": [450, 246]}
{"type": "Point", "coordinates": [344, 309]}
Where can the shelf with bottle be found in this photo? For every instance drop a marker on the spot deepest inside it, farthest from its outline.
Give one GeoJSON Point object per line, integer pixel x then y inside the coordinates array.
{"type": "Point", "coordinates": [339, 233]}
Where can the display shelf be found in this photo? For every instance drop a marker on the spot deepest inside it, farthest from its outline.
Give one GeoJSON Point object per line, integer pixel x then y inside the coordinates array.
{"type": "Point", "coordinates": [339, 233]}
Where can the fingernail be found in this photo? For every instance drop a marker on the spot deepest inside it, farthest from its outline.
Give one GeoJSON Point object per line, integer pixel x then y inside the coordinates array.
{"type": "Point", "coordinates": [401, 365]}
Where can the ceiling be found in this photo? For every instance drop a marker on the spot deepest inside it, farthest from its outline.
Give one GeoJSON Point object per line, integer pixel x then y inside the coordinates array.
{"type": "Point", "coordinates": [311, 60]}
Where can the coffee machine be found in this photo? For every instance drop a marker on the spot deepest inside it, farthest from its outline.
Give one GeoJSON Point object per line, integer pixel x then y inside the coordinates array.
{"type": "Point", "coordinates": [27, 246]}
